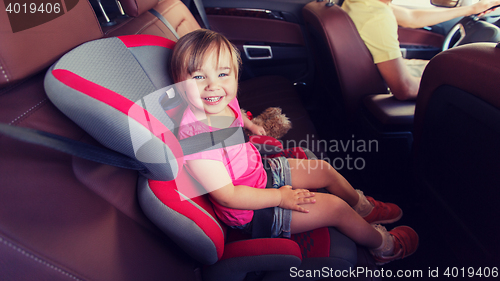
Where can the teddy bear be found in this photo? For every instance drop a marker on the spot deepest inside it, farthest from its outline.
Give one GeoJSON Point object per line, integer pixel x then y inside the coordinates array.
{"type": "Point", "coordinates": [272, 120]}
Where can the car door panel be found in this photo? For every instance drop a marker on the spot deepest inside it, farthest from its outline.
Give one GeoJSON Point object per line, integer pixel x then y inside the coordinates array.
{"type": "Point", "coordinates": [422, 43]}
{"type": "Point", "coordinates": [292, 7]}
{"type": "Point", "coordinates": [270, 37]}
{"type": "Point", "coordinates": [419, 43]}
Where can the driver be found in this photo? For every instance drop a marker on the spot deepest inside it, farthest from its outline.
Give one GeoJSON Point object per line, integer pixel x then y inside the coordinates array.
{"type": "Point", "coordinates": [377, 22]}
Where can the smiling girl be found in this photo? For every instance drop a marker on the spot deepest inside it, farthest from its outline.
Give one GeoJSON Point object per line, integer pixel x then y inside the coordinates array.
{"type": "Point", "coordinates": [205, 67]}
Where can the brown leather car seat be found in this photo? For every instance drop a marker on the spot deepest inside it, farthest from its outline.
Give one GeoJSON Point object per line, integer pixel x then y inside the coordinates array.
{"type": "Point", "coordinates": [141, 21]}
{"type": "Point", "coordinates": [62, 217]}
{"type": "Point", "coordinates": [457, 132]}
{"type": "Point", "coordinates": [346, 69]}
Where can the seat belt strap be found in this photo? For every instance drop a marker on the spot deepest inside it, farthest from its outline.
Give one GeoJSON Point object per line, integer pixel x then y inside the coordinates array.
{"type": "Point", "coordinates": [165, 22]}
{"type": "Point", "coordinates": [72, 147]}
{"type": "Point", "coordinates": [224, 137]}
{"type": "Point", "coordinates": [201, 11]}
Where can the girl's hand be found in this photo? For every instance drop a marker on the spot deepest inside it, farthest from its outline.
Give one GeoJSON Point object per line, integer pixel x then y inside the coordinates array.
{"type": "Point", "coordinates": [257, 130]}
{"type": "Point", "coordinates": [292, 198]}
{"type": "Point", "coordinates": [252, 127]}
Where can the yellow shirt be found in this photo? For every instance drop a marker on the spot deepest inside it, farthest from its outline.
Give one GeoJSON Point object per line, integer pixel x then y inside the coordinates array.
{"type": "Point", "coordinates": [377, 26]}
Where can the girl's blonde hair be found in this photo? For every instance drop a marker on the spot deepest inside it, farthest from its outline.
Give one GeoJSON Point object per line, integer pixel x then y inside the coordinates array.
{"type": "Point", "coordinates": [191, 49]}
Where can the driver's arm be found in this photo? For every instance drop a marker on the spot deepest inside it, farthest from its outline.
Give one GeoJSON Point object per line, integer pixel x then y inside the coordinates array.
{"type": "Point", "coordinates": [403, 85]}
{"type": "Point", "coordinates": [418, 18]}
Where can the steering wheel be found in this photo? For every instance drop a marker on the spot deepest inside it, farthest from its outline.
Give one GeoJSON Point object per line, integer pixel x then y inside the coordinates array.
{"type": "Point", "coordinates": [469, 30]}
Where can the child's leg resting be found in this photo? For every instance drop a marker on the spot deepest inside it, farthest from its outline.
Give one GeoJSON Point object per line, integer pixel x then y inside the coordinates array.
{"type": "Point", "coordinates": [330, 210]}
{"type": "Point", "coordinates": [313, 174]}
{"type": "Point", "coordinates": [349, 211]}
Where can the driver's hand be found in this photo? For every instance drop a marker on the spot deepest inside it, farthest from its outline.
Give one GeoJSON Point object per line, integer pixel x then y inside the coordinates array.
{"type": "Point", "coordinates": [484, 7]}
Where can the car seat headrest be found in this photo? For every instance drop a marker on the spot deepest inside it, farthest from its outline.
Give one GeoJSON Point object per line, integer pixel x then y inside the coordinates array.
{"type": "Point", "coordinates": [29, 46]}
{"type": "Point", "coordinates": [118, 90]}
{"type": "Point", "coordinates": [135, 8]}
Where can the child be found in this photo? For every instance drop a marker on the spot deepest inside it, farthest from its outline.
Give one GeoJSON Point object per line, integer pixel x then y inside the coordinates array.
{"type": "Point", "coordinates": [206, 64]}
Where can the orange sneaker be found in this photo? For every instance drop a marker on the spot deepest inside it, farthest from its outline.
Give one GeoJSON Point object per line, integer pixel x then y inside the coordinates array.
{"type": "Point", "coordinates": [383, 212]}
{"type": "Point", "coordinates": [405, 244]}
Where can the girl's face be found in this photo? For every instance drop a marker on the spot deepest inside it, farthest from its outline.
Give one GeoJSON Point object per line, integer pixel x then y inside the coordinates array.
{"type": "Point", "coordinates": [211, 87]}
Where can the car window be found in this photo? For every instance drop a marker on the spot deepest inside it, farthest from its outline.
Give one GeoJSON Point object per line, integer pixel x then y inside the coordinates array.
{"type": "Point", "coordinates": [418, 4]}
{"type": "Point", "coordinates": [413, 3]}
{"type": "Point", "coordinates": [427, 3]}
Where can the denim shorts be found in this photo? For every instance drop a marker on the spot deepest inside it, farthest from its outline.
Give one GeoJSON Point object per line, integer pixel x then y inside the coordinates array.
{"type": "Point", "coordinates": [274, 221]}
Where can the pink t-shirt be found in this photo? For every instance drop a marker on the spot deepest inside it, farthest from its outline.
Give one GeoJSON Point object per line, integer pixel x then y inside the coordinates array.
{"type": "Point", "coordinates": [242, 162]}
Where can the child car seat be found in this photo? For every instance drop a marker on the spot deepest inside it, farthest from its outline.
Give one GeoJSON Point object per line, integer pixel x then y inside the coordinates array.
{"type": "Point", "coordinates": [118, 90]}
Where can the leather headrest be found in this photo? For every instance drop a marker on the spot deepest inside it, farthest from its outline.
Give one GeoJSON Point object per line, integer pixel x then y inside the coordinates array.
{"type": "Point", "coordinates": [135, 8]}
{"type": "Point", "coordinates": [472, 68]}
{"type": "Point", "coordinates": [26, 50]}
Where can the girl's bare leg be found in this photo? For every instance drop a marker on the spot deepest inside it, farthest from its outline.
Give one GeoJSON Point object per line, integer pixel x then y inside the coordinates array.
{"type": "Point", "coordinates": [330, 210]}
{"type": "Point", "coordinates": [314, 174]}
{"type": "Point", "coordinates": [337, 210]}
